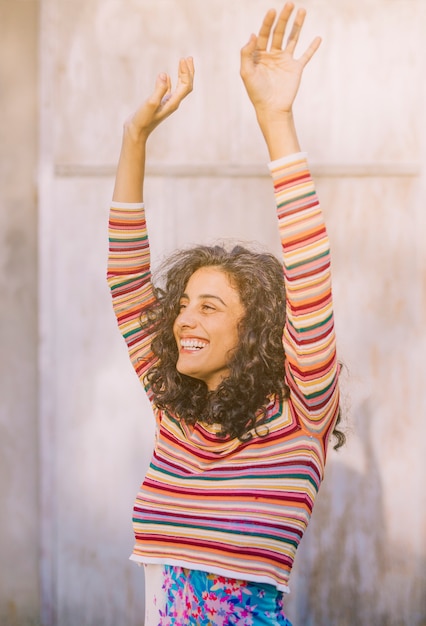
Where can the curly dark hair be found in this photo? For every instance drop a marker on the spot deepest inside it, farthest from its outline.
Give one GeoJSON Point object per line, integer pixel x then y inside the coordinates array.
{"type": "Point", "coordinates": [256, 367]}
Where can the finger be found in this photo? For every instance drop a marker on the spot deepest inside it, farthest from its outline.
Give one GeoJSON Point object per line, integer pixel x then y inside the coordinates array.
{"type": "Point", "coordinates": [295, 31]}
{"type": "Point", "coordinates": [166, 95]}
{"type": "Point", "coordinates": [248, 54]}
{"type": "Point", "coordinates": [309, 53]}
{"type": "Point", "coordinates": [190, 64]}
{"type": "Point", "coordinates": [169, 83]}
{"type": "Point", "coordinates": [186, 74]}
{"type": "Point", "coordinates": [162, 86]}
{"type": "Point", "coordinates": [265, 29]}
{"type": "Point", "coordinates": [281, 25]}
{"type": "Point", "coordinates": [250, 47]}
{"type": "Point", "coordinates": [183, 88]}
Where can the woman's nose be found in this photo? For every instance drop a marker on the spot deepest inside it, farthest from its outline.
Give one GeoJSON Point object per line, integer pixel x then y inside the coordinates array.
{"type": "Point", "coordinates": [186, 319]}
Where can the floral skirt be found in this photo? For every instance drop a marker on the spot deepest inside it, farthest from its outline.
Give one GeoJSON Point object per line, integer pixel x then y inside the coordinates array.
{"type": "Point", "coordinates": [195, 598]}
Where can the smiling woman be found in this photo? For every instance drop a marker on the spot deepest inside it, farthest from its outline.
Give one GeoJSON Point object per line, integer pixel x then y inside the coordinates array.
{"type": "Point", "coordinates": [237, 354]}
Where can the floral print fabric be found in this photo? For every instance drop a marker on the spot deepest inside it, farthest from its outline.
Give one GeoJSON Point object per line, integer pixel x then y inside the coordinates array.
{"type": "Point", "coordinates": [195, 598]}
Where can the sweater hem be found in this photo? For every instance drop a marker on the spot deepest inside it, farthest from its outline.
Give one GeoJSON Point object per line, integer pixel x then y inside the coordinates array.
{"type": "Point", "coordinates": [220, 571]}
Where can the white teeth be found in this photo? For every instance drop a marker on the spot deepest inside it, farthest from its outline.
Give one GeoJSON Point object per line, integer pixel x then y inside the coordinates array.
{"type": "Point", "coordinates": [192, 344]}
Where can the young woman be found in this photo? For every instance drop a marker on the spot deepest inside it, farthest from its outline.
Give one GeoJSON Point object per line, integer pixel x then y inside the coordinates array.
{"type": "Point", "coordinates": [237, 355]}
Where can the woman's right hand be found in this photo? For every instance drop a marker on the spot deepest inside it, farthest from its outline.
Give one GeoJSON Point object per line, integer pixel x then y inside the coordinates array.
{"type": "Point", "coordinates": [162, 102]}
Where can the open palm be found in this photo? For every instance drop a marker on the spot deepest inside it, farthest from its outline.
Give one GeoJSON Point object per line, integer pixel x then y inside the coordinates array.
{"type": "Point", "coordinates": [270, 72]}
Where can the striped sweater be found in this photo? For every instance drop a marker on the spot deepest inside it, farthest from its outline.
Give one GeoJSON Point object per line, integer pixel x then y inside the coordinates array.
{"type": "Point", "coordinates": [225, 506]}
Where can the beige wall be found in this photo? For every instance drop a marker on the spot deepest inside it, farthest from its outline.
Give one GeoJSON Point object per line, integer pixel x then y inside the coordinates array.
{"type": "Point", "coordinates": [361, 118]}
{"type": "Point", "coordinates": [19, 512]}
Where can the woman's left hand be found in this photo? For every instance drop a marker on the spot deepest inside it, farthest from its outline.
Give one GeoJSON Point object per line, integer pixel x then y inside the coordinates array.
{"type": "Point", "coordinates": [269, 71]}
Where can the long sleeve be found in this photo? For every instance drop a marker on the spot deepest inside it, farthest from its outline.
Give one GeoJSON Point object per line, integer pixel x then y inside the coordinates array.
{"type": "Point", "coordinates": [129, 278]}
{"type": "Point", "coordinates": [309, 339]}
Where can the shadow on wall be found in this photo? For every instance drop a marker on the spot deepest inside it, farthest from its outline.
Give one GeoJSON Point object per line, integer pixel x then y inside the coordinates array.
{"type": "Point", "coordinates": [346, 571]}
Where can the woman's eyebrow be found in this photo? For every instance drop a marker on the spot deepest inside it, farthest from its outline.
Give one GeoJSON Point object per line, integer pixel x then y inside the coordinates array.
{"type": "Point", "coordinates": [205, 296]}
{"type": "Point", "coordinates": [210, 295]}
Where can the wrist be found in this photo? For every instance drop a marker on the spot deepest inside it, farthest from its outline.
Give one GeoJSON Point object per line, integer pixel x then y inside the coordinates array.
{"type": "Point", "coordinates": [133, 137]}
{"type": "Point", "coordinates": [279, 132]}
{"type": "Point", "coordinates": [274, 119]}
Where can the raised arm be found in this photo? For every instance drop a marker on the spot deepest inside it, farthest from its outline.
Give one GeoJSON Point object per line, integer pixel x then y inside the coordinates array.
{"type": "Point", "coordinates": [272, 77]}
{"type": "Point", "coordinates": [129, 272]}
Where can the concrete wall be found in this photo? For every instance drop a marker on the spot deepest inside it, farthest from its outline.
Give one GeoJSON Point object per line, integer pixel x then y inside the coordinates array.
{"type": "Point", "coordinates": [361, 118]}
{"type": "Point", "coordinates": [19, 511]}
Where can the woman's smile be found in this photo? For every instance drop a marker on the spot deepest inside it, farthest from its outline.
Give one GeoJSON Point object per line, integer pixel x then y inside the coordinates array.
{"type": "Point", "coordinates": [192, 345]}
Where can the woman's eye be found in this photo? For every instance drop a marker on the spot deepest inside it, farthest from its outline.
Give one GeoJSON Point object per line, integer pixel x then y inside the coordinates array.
{"type": "Point", "coordinates": [208, 307]}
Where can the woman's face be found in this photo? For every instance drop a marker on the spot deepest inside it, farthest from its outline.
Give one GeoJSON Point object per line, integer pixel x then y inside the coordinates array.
{"type": "Point", "coordinates": [206, 328]}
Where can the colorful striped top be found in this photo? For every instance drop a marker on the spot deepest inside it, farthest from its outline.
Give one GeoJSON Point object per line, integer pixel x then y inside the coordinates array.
{"type": "Point", "coordinates": [231, 507]}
